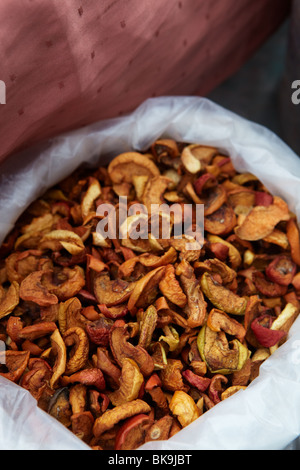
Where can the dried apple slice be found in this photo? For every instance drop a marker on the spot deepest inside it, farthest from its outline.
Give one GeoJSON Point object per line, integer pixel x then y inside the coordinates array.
{"type": "Point", "coordinates": [144, 288]}
{"type": "Point", "coordinates": [32, 289]}
{"type": "Point", "coordinates": [154, 191]}
{"type": "Point", "coordinates": [121, 412]}
{"type": "Point", "coordinates": [195, 308]}
{"type": "Point", "coordinates": [218, 320]}
{"type": "Point", "coordinates": [122, 348]}
{"type": "Point", "coordinates": [234, 255]}
{"type": "Point", "coordinates": [195, 156]}
{"type": "Point", "coordinates": [261, 220]}
{"type": "Point", "coordinates": [16, 363]}
{"type": "Point", "coordinates": [132, 433]}
{"type": "Point", "coordinates": [131, 381]}
{"type": "Point", "coordinates": [292, 232]}
{"type": "Point", "coordinates": [267, 287]}
{"type": "Point", "coordinates": [165, 150]}
{"type": "Point", "coordinates": [221, 297]}
{"type": "Point", "coordinates": [184, 408]}
{"type": "Point", "coordinates": [10, 299]}
{"type": "Point", "coordinates": [64, 283]}
{"type": "Point", "coordinates": [281, 270]}
{"type": "Point", "coordinates": [58, 239]}
{"type": "Point", "coordinates": [221, 356]}
{"type": "Point", "coordinates": [171, 289]}
{"type": "Point", "coordinates": [220, 222]}
{"type": "Point", "coordinates": [265, 336]}
{"type": "Point", "coordinates": [111, 292]}
{"type": "Point", "coordinates": [89, 198]}
{"type": "Point", "coordinates": [126, 165]}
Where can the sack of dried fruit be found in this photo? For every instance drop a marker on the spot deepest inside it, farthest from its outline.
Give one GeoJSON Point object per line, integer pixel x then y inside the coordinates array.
{"type": "Point", "coordinates": [125, 342]}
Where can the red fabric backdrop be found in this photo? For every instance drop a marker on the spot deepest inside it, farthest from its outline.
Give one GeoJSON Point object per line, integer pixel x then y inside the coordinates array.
{"type": "Point", "coordinates": [69, 63]}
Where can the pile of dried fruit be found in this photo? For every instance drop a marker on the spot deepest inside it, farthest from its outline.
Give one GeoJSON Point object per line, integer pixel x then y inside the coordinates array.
{"type": "Point", "coordinates": [129, 340]}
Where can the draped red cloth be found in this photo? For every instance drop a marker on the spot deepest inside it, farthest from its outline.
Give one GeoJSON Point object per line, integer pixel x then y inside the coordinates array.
{"type": "Point", "coordinates": [70, 63]}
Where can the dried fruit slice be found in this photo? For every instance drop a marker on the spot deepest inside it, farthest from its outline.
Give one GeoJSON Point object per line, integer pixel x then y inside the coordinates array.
{"type": "Point", "coordinates": [261, 220]}
{"type": "Point", "coordinates": [111, 292]}
{"type": "Point", "coordinates": [119, 413]}
{"type": "Point", "coordinates": [221, 356]}
{"type": "Point", "coordinates": [126, 165]}
{"type": "Point", "coordinates": [221, 297]}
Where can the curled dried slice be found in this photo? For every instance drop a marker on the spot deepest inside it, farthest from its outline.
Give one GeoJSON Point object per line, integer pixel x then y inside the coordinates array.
{"type": "Point", "coordinates": [59, 406]}
{"type": "Point", "coordinates": [221, 356]}
{"type": "Point", "coordinates": [201, 383]}
{"type": "Point", "coordinates": [154, 191]}
{"type": "Point", "coordinates": [284, 321]}
{"type": "Point", "coordinates": [147, 326]}
{"type": "Point", "coordinates": [122, 348]}
{"type": "Point", "coordinates": [195, 156]}
{"type": "Point", "coordinates": [216, 387]}
{"type": "Point", "coordinates": [36, 379]}
{"type": "Point", "coordinates": [64, 283]}
{"type": "Point", "coordinates": [111, 292]}
{"type": "Point", "coordinates": [204, 182]}
{"type": "Point", "coordinates": [292, 233]}
{"type": "Point", "coordinates": [277, 237]}
{"type": "Point", "coordinates": [163, 148]}
{"type": "Point", "coordinates": [261, 328]}
{"type": "Point", "coordinates": [220, 222]}
{"type": "Point", "coordinates": [281, 270]}
{"type": "Point", "coordinates": [266, 287]}
{"type": "Point", "coordinates": [131, 381]}
{"type": "Point", "coordinates": [82, 425]}
{"type": "Point", "coordinates": [69, 314]}
{"type": "Point", "coordinates": [132, 433]}
{"type": "Point", "coordinates": [20, 264]}
{"type": "Point", "coordinates": [58, 239]}
{"type": "Point", "coordinates": [98, 331]}
{"type": "Point", "coordinates": [261, 220]}
{"type": "Point", "coordinates": [160, 430]}
{"type": "Point", "coordinates": [144, 288]}
{"type": "Point", "coordinates": [9, 300]}
{"type": "Point", "coordinates": [242, 200]}
{"type": "Point", "coordinates": [76, 338]}
{"type": "Point", "coordinates": [184, 408]}
{"type": "Point", "coordinates": [234, 255]}
{"type": "Point", "coordinates": [171, 376]}
{"type": "Point", "coordinates": [37, 330]}
{"type": "Point", "coordinates": [88, 200]}
{"type": "Point", "coordinates": [195, 308]}
{"type": "Point", "coordinates": [119, 413]}
{"type": "Point", "coordinates": [218, 320]}
{"type": "Point", "coordinates": [91, 377]}
{"type": "Point", "coordinates": [59, 350]}
{"type": "Point", "coordinates": [231, 391]}
{"type": "Point", "coordinates": [171, 289]}
{"type": "Point", "coordinates": [221, 297]}
{"type": "Point", "coordinates": [126, 165]}
{"type": "Point", "coordinates": [171, 337]}
{"type": "Point", "coordinates": [16, 363]}
{"type": "Point", "coordinates": [32, 289]}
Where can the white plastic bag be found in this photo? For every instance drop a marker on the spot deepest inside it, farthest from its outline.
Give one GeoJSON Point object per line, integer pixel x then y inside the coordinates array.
{"type": "Point", "coordinates": [264, 416]}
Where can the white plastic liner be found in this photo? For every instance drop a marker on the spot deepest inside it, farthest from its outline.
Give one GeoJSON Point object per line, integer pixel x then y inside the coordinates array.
{"type": "Point", "coordinates": [264, 416]}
